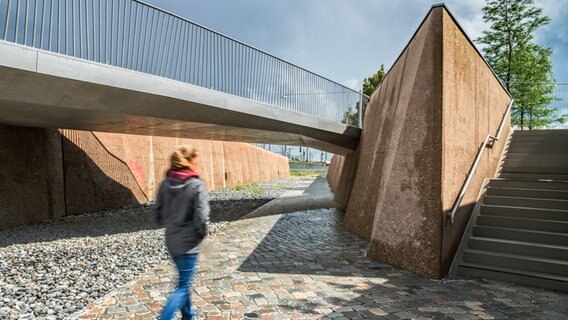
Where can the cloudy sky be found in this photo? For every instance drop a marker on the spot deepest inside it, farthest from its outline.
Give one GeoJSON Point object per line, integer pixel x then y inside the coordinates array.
{"type": "Point", "coordinates": [348, 40]}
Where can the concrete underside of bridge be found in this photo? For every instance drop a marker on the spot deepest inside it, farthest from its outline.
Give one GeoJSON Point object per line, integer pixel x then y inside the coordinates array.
{"type": "Point", "coordinates": [43, 89]}
{"type": "Point", "coordinates": [423, 127]}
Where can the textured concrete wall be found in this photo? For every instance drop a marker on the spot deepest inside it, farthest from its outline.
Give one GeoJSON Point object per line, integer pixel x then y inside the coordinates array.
{"type": "Point", "coordinates": [404, 158]}
{"type": "Point", "coordinates": [423, 126]}
{"type": "Point", "coordinates": [45, 174]}
{"type": "Point", "coordinates": [127, 169]}
{"type": "Point", "coordinates": [334, 172]}
{"type": "Point", "coordinates": [31, 175]}
{"type": "Point", "coordinates": [473, 105]}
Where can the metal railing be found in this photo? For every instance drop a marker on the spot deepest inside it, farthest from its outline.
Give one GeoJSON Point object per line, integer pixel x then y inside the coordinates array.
{"type": "Point", "coordinates": [488, 142]}
{"type": "Point", "coordinates": [559, 103]}
{"type": "Point", "coordinates": [137, 36]}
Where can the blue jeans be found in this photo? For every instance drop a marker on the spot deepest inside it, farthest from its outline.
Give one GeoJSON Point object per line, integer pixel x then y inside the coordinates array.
{"type": "Point", "coordinates": [181, 297]}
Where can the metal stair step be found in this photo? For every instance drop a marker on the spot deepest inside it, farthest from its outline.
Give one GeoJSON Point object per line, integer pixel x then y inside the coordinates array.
{"type": "Point", "coordinates": [545, 168]}
{"type": "Point", "coordinates": [526, 202]}
{"type": "Point", "coordinates": [528, 193]}
{"type": "Point", "coordinates": [519, 247]}
{"type": "Point", "coordinates": [534, 176]}
{"type": "Point", "coordinates": [519, 262]}
{"type": "Point", "coordinates": [535, 279]}
{"type": "Point", "coordinates": [543, 237]}
{"type": "Point", "coordinates": [523, 223]}
{"type": "Point", "coordinates": [529, 213]}
{"type": "Point", "coordinates": [539, 133]}
{"type": "Point", "coordinates": [540, 185]}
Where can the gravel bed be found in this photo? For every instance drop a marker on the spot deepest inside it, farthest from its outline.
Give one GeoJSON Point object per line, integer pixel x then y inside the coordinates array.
{"type": "Point", "coordinates": [53, 269]}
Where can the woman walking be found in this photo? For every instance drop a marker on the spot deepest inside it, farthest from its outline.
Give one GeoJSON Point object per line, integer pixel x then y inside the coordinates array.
{"type": "Point", "coordinates": [183, 209]}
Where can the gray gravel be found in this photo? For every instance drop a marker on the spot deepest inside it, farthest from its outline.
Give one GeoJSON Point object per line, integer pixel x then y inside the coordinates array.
{"type": "Point", "coordinates": [53, 269]}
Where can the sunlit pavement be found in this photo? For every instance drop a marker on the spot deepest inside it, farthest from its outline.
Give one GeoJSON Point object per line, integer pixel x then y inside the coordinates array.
{"type": "Point", "coordinates": [304, 265]}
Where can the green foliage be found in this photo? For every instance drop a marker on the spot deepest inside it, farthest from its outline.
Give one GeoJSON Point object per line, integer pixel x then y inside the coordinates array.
{"type": "Point", "coordinates": [305, 173]}
{"type": "Point", "coordinates": [254, 188]}
{"type": "Point", "coordinates": [523, 65]}
{"type": "Point", "coordinates": [351, 115]}
{"type": "Point", "coordinates": [371, 83]}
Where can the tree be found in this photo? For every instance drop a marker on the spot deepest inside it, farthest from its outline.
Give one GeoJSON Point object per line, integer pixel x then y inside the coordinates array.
{"type": "Point", "coordinates": [351, 115]}
{"type": "Point", "coordinates": [371, 83]}
{"type": "Point", "coordinates": [515, 58]}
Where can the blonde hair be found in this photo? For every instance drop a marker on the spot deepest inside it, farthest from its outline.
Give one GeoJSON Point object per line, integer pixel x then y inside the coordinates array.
{"type": "Point", "coordinates": [181, 157]}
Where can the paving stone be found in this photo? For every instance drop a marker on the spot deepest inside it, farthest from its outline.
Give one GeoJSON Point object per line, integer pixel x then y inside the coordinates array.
{"type": "Point", "coordinates": [263, 268]}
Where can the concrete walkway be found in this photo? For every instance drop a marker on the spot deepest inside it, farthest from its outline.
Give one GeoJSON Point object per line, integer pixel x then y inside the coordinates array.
{"type": "Point", "coordinates": [304, 265]}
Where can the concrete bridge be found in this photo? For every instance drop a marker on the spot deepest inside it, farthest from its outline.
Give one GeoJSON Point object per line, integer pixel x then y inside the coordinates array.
{"type": "Point", "coordinates": [134, 68]}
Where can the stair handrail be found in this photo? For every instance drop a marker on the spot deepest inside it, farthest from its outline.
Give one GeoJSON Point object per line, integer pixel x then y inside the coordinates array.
{"type": "Point", "coordinates": [488, 142]}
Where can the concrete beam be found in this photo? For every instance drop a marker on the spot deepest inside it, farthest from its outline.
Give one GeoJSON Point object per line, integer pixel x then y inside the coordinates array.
{"type": "Point", "coordinates": [44, 89]}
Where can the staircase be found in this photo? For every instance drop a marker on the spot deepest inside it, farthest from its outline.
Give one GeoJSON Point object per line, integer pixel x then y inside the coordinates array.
{"type": "Point", "coordinates": [519, 229]}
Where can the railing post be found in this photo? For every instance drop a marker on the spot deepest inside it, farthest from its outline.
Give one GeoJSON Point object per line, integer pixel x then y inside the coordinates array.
{"type": "Point", "coordinates": [361, 109]}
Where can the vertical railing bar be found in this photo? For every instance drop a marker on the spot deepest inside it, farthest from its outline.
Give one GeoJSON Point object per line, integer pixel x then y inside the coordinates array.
{"type": "Point", "coordinates": [73, 26]}
{"type": "Point", "coordinates": [49, 42]}
{"type": "Point", "coordinates": [194, 66]}
{"type": "Point", "coordinates": [187, 70]}
{"type": "Point", "coordinates": [94, 29]}
{"type": "Point", "coordinates": [176, 65]}
{"type": "Point", "coordinates": [184, 51]}
{"type": "Point", "coordinates": [131, 52]}
{"type": "Point", "coordinates": [138, 26]}
{"type": "Point", "coordinates": [255, 72]}
{"type": "Point", "coordinates": [262, 71]}
{"type": "Point", "coordinates": [199, 73]}
{"type": "Point", "coordinates": [147, 35]}
{"type": "Point", "coordinates": [42, 23]}
{"type": "Point", "coordinates": [17, 20]}
{"type": "Point", "coordinates": [218, 61]}
{"type": "Point", "coordinates": [111, 45]}
{"type": "Point", "coordinates": [88, 31]}
{"type": "Point", "coordinates": [181, 51]}
{"type": "Point", "coordinates": [66, 28]}
{"type": "Point", "coordinates": [34, 24]}
{"type": "Point", "coordinates": [100, 20]}
{"type": "Point", "coordinates": [188, 46]}
{"type": "Point", "coordinates": [201, 49]}
{"type": "Point", "coordinates": [26, 23]}
{"type": "Point", "coordinates": [166, 47]}
{"type": "Point", "coordinates": [140, 57]}
{"type": "Point", "coordinates": [205, 59]}
{"type": "Point", "coordinates": [171, 60]}
{"type": "Point", "coordinates": [160, 46]}
{"type": "Point", "coordinates": [80, 29]}
{"type": "Point", "coordinates": [152, 46]}
{"type": "Point", "coordinates": [125, 36]}
{"type": "Point", "coordinates": [7, 22]}
{"type": "Point", "coordinates": [222, 66]}
{"type": "Point", "coordinates": [59, 49]}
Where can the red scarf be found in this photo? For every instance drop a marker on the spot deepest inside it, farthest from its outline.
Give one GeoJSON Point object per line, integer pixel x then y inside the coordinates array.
{"type": "Point", "coordinates": [181, 174]}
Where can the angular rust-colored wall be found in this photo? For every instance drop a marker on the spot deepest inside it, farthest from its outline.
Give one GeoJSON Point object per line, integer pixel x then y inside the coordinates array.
{"type": "Point", "coordinates": [473, 106]}
{"type": "Point", "coordinates": [31, 175]}
{"type": "Point", "coordinates": [131, 167]}
{"type": "Point", "coordinates": [423, 127]}
{"type": "Point", "coordinates": [47, 173]}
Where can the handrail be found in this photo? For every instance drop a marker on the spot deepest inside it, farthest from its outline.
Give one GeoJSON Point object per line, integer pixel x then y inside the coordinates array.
{"type": "Point", "coordinates": [141, 37]}
{"type": "Point", "coordinates": [488, 142]}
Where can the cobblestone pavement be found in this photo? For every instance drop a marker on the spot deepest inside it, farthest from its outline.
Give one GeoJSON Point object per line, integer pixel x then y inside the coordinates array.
{"type": "Point", "coordinates": [304, 265]}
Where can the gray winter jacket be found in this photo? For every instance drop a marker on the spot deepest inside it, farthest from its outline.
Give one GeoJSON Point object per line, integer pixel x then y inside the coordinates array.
{"type": "Point", "coordinates": [183, 209]}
